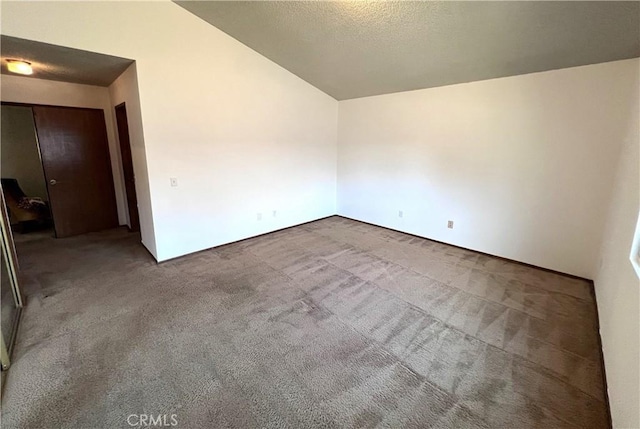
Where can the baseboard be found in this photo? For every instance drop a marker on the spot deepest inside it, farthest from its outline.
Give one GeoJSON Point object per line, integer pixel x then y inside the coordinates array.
{"type": "Point", "coordinates": [549, 270]}
{"type": "Point", "coordinates": [243, 239]}
{"type": "Point", "coordinates": [602, 367]}
{"type": "Point", "coordinates": [149, 251]}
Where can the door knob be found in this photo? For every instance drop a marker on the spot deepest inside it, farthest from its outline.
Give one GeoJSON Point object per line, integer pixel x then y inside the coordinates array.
{"type": "Point", "coordinates": [53, 182]}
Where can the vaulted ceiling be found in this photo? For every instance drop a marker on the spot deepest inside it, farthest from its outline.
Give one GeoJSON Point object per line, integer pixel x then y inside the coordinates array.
{"type": "Point", "coordinates": [360, 48]}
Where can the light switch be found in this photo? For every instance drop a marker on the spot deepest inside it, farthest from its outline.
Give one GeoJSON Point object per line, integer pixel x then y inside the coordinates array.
{"type": "Point", "coordinates": [174, 182]}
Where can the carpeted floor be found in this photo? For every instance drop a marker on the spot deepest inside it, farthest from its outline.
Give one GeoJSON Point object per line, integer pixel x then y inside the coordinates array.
{"type": "Point", "coordinates": [335, 323]}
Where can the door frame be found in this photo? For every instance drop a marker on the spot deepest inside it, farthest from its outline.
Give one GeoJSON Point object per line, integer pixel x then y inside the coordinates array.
{"type": "Point", "coordinates": [133, 227]}
{"type": "Point", "coordinates": [11, 259]}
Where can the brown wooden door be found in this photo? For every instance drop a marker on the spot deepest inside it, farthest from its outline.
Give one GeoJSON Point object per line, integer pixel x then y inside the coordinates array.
{"type": "Point", "coordinates": [75, 157]}
{"type": "Point", "coordinates": [127, 166]}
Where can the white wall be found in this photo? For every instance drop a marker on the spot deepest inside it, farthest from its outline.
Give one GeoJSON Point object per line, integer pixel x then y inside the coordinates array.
{"type": "Point", "coordinates": [523, 165]}
{"type": "Point", "coordinates": [241, 134]}
{"type": "Point", "coordinates": [39, 91]}
{"type": "Point", "coordinates": [125, 90]}
{"type": "Point", "coordinates": [616, 283]}
{"type": "Point", "coordinates": [19, 151]}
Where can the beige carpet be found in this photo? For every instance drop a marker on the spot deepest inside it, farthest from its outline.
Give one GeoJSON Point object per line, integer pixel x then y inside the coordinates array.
{"type": "Point", "coordinates": [335, 323]}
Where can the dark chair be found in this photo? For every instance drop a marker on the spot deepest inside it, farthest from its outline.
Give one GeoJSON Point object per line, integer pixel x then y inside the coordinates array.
{"type": "Point", "coordinates": [23, 210]}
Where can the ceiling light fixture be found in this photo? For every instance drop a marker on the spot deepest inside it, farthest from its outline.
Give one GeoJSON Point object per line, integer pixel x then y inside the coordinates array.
{"type": "Point", "coordinates": [20, 67]}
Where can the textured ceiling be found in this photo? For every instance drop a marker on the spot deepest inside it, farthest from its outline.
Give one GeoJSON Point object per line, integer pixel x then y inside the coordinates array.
{"type": "Point", "coordinates": [360, 48]}
{"type": "Point", "coordinates": [54, 62]}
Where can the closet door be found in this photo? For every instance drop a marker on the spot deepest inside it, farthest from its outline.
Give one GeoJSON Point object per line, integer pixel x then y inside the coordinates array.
{"type": "Point", "coordinates": [75, 157]}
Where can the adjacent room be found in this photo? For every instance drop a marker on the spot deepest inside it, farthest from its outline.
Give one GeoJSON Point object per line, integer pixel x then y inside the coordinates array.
{"type": "Point", "coordinates": [349, 214]}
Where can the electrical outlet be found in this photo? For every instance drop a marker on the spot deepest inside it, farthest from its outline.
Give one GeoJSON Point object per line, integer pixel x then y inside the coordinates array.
{"type": "Point", "coordinates": [450, 224]}
{"type": "Point", "coordinates": [259, 216]}
{"type": "Point", "coordinates": [400, 213]}
{"type": "Point", "coordinates": [174, 181]}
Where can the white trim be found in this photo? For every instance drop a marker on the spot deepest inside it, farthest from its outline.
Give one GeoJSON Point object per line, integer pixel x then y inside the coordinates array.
{"type": "Point", "coordinates": [635, 249]}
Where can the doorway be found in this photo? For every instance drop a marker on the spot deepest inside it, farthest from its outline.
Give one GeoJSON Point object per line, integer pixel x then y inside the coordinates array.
{"type": "Point", "coordinates": [74, 170]}
{"type": "Point", "coordinates": [127, 166]}
{"type": "Point", "coordinates": [24, 186]}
